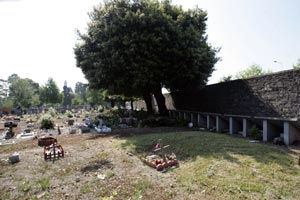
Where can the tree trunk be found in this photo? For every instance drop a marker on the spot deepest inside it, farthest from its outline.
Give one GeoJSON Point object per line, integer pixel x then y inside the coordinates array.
{"type": "Point", "coordinates": [131, 105]}
{"type": "Point", "coordinates": [161, 101]}
{"type": "Point", "coordinates": [147, 99]}
{"type": "Point", "coordinates": [112, 103]}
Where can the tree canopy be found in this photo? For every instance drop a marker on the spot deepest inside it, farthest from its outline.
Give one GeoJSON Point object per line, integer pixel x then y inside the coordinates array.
{"type": "Point", "coordinates": [297, 65]}
{"type": "Point", "coordinates": [49, 93]}
{"type": "Point", "coordinates": [252, 70]}
{"type": "Point", "coordinates": [24, 92]}
{"type": "Point", "coordinates": [80, 90]}
{"type": "Point", "coordinates": [133, 48]}
{"type": "Point", "coordinates": [225, 78]}
{"type": "Point", "coordinates": [12, 78]}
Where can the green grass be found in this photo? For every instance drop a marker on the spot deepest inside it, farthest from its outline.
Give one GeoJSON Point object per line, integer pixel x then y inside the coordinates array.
{"type": "Point", "coordinates": [24, 187]}
{"type": "Point", "coordinates": [226, 167]}
{"type": "Point", "coordinates": [110, 174]}
{"type": "Point", "coordinates": [43, 183]}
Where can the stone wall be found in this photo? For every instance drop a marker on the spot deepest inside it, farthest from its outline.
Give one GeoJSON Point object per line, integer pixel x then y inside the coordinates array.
{"type": "Point", "coordinates": [274, 95]}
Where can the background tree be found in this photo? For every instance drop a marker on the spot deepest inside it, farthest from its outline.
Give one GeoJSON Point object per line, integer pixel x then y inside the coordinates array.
{"type": "Point", "coordinates": [8, 103]}
{"type": "Point", "coordinates": [253, 70]}
{"type": "Point", "coordinates": [24, 93]}
{"type": "Point", "coordinates": [77, 100]}
{"type": "Point", "coordinates": [225, 78]}
{"type": "Point", "coordinates": [297, 65]}
{"type": "Point", "coordinates": [67, 95]}
{"type": "Point", "coordinates": [80, 89]}
{"type": "Point", "coordinates": [133, 48]}
{"type": "Point", "coordinates": [12, 78]}
{"type": "Point", "coordinates": [95, 97]}
{"type": "Point", "coordinates": [49, 93]}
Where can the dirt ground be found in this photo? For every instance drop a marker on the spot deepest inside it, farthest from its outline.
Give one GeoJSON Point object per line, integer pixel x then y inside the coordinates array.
{"type": "Point", "coordinates": [93, 167]}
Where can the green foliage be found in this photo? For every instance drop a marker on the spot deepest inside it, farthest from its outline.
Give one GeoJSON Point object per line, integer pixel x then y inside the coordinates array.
{"type": "Point", "coordinates": [80, 89]}
{"type": "Point", "coordinates": [134, 47]}
{"type": "Point", "coordinates": [255, 133]}
{"type": "Point", "coordinates": [162, 121]}
{"type": "Point", "coordinates": [226, 78]}
{"type": "Point", "coordinates": [12, 78]}
{"type": "Point", "coordinates": [110, 174]}
{"type": "Point", "coordinates": [52, 112]}
{"type": "Point", "coordinates": [46, 122]}
{"type": "Point", "coordinates": [44, 183]}
{"type": "Point", "coordinates": [7, 102]}
{"type": "Point", "coordinates": [140, 114]}
{"type": "Point", "coordinates": [77, 100]}
{"type": "Point", "coordinates": [69, 114]}
{"type": "Point", "coordinates": [50, 94]}
{"type": "Point", "coordinates": [25, 187]}
{"type": "Point", "coordinates": [100, 109]}
{"type": "Point", "coordinates": [253, 70]}
{"type": "Point", "coordinates": [24, 92]}
{"type": "Point", "coordinates": [95, 96]}
{"type": "Point", "coordinates": [297, 65]}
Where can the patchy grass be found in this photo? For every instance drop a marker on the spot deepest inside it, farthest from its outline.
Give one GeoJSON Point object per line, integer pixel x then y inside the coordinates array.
{"type": "Point", "coordinates": [43, 183]}
{"type": "Point", "coordinates": [219, 166]}
{"type": "Point", "coordinates": [212, 166]}
{"type": "Point", "coordinates": [24, 187]}
{"type": "Point", "coordinates": [110, 174]}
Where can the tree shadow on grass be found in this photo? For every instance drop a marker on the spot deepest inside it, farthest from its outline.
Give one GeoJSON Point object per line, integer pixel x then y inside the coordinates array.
{"type": "Point", "coordinates": [190, 145]}
{"type": "Point", "coordinates": [128, 132]}
{"type": "Point", "coordinates": [93, 166]}
{"type": "Point", "coordinates": [95, 136]}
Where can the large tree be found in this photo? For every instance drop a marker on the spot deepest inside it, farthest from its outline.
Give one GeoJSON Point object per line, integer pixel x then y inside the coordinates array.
{"type": "Point", "coordinates": [133, 48]}
{"type": "Point", "coordinates": [24, 92]}
{"type": "Point", "coordinates": [49, 93]}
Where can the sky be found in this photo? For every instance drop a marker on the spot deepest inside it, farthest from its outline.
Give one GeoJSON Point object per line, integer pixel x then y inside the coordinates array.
{"type": "Point", "coordinates": [37, 37]}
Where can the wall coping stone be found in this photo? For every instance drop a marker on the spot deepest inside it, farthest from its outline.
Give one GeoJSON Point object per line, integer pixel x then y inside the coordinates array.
{"type": "Point", "coordinates": [295, 119]}
{"type": "Point", "coordinates": [278, 119]}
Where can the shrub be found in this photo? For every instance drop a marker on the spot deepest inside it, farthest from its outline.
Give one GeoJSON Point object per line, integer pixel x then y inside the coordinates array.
{"type": "Point", "coordinates": [46, 122]}
{"type": "Point", "coordinates": [162, 121]}
{"type": "Point", "coordinates": [69, 114]}
{"type": "Point", "coordinates": [100, 109]}
{"type": "Point", "coordinates": [141, 114]}
{"type": "Point", "coordinates": [255, 133]}
{"type": "Point", "coordinates": [52, 112]}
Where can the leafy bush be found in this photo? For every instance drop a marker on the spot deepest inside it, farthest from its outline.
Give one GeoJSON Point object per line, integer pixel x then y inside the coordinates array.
{"type": "Point", "coordinates": [162, 121]}
{"type": "Point", "coordinates": [46, 122]}
{"type": "Point", "coordinates": [52, 112]}
{"type": "Point", "coordinates": [69, 114]}
{"type": "Point", "coordinates": [255, 133]}
{"type": "Point", "coordinates": [141, 114]}
{"type": "Point", "coordinates": [100, 109]}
